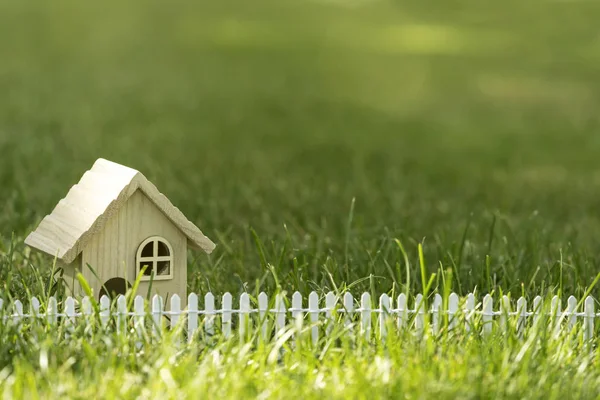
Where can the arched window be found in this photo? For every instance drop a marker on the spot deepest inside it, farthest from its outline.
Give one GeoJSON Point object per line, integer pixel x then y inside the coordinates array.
{"type": "Point", "coordinates": [157, 254]}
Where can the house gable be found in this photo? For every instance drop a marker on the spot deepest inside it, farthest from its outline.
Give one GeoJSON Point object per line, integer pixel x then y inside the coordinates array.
{"type": "Point", "coordinates": [112, 251]}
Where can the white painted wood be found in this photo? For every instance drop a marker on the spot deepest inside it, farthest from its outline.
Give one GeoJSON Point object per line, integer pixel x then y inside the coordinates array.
{"type": "Point", "coordinates": [452, 311]}
{"type": "Point", "coordinates": [244, 328]}
{"type": "Point", "coordinates": [557, 316]}
{"type": "Point", "coordinates": [17, 311]}
{"type": "Point", "coordinates": [487, 314]}
{"type": "Point", "coordinates": [522, 311]}
{"type": "Point", "coordinates": [297, 306]}
{"type": "Point", "coordinates": [52, 310]}
{"type": "Point", "coordinates": [104, 310]}
{"type": "Point", "coordinates": [330, 304]}
{"type": "Point", "coordinates": [313, 306]}
{"type": "Point", "coordinates": [70, 314]}
{"type": "Point", "coordinates": [192, 317]}
{"type": "Point", "coordinates": [435, 313]}
{"type": "Point", "coordinates": [297, 315]}
{"type": "Point", "coordinates": [571, 310]}
{"type": "Point", "coordinates": [86, 307]}
{"type": "Point", "coordinates": [504, 313]}
{"type": "Point", "coordinates": [209, 317]}
{"type": "Point", "coordinates": [365, 315]}
{"type": "Point", "coordinates": [263, 306]}
{"type": "Point", "coordinates": [175, 315]}
{"type": "Point", "coordinates": [90, 203]}
{"type": "Point", "coordinates": [537, 309]}
{"type": "Point", "coordinates": [469, 310]}
{"type": "Point", "coordinates": [138, 309]}
{"type": "Point", "coordinates": [281, 312]}
{"type": "Point", "coordinates": [34, 307]}
{"type": "Point", "coordinates": [157, 315]}
{"type": "Point", "coordinates": [384, 315]}
{"type": "Point", "coordinates": [588, 330]}
{"type": "Point", "coordinates": [121, 314]}
{"type": "Point", "coordinates": [314, 311]}
{"type": "Point", "coordinates": [175, 310]}
{"type": "Point", "coordinates": [349, 308]}
{"type": "Point", "coordinates": [402, 311]}
{"type": "Point", "coordinates": [555, 307]}
{"type": "Point", "coordinates": [226, 319]}
{"type": "Point", "coordinates": [420, 315]}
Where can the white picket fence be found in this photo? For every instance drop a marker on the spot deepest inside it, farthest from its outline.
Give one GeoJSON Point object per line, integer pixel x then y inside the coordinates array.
{"type": "Point", "coordinates": [274, 317]}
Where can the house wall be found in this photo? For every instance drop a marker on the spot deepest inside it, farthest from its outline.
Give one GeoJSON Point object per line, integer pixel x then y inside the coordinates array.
{"type": "Point", "coordinates": [70, 272]}
{"type": "Point", "coordinates": [112, 252]}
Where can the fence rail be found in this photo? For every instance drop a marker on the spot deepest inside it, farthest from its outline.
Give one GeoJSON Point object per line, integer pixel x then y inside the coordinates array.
{"type": "Point", "coordinates": [270, 317]}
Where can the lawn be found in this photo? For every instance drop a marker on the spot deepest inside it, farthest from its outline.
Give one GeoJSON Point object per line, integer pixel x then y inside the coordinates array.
{"type": "Point", "coordinates": [308, 139]}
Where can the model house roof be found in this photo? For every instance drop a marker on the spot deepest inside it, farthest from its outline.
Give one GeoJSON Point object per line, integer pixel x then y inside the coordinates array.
{"type": "Point", "coordinates": [91, 202]}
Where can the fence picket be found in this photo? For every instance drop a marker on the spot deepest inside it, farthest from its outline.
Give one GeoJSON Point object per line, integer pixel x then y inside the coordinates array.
{"type": "Point", "coordinates": [35, 307]}
{"type": "Point", "coordinates": [139, 313]}
{"type": "Point", "coordinates": [349, 308]}
{"type": "Point", "coordinates": [330, 303]}
{"type": "Point", "coordinates": [52, 310]}
{"type": "Point", "coordinates": [192, 316]}
{"type": "Point", "coordinates": [209, 314]}
{"type": "Point", "coordinates": [297, 314]}
{"type": "Point", "coordinates": [86, 307]}
{"type": "Point", "coordinates": [244, 327]}
{"type": "Point", "coordinates": [175, 310]}
{"type": "Point", "coordinates": [420, 315]}
{"type": "Point", "coordinates": [487, 314]}
{"type": "Point", "coordinates": [435, 310]}
{"type": "Point", "coordinates": [522, 312]}
{"type": "Point", "coordinates": [469, 310]}
{"type": "Point", "coordinates": [402, 311]}
{"type": "Point", "coordinates": [281, 311]}
{"type": "Point", "coordinates": [263, 305]}
{"type": "Point", "coordinates": [175, 315]}
{"type": "Point", "coordinates": [508, 320]}
{"type": "Point", "coordinates": [121, 314]}
{"type": "Point", "coordinates": [588, 332]}
{"type": "Point", "coordinates": [313, 306]}
{"type": "Point", "coordinates": [384, 314]}
{"type": "Point", "coordinates": [365, 315]}
{"type": "Point", "coordinates": [157, 315]}
{"type": "Point", "coordinates": [70, 313]}
{"type": "Point", "coordinates": [452, 310]}
{"type": "Point", "coordinates": [556, 314]}
{"type": "Point", "coordinates": [537, 309]}
{"type": "Point", "coordinates": [104, 310]}
{"type": "Point", "coordinates": [571, 310]}
{"type": "Point", "coordinates": [18, 311]}
{"type": "Point", "coordinates": [504, 312]}
{"type": "Point", "coordinates": [226, 319]}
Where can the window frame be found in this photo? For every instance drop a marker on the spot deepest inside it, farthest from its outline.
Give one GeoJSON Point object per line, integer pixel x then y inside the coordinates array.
{"type": "Point", "coordinates": [155, 258]}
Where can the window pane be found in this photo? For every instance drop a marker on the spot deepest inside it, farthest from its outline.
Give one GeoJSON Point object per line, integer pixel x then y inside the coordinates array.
{"type": "Point", "coordinates": [148, 250]}
{"type": "Point", "coordinates": [163, 250]}
{"type": "Point", "coordinates": [148, 270]}
{"type": "Point", "coordinates": [164, 267]}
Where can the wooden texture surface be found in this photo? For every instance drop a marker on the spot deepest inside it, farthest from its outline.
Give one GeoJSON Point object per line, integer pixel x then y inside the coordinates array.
{"type": "Point", "coordinates": [91, 203]}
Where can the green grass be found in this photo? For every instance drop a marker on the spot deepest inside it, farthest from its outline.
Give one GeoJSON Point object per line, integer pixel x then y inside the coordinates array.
{"type": "Point", "coordinates": [307, 139]}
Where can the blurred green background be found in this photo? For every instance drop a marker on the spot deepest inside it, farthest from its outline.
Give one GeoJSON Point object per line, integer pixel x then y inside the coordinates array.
{"type": "Point", "coordinates": [471, 127]}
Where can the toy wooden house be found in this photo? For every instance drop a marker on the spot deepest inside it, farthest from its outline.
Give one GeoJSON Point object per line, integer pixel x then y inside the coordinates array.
{"type": "Point", "coordinates": [111, 225]}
